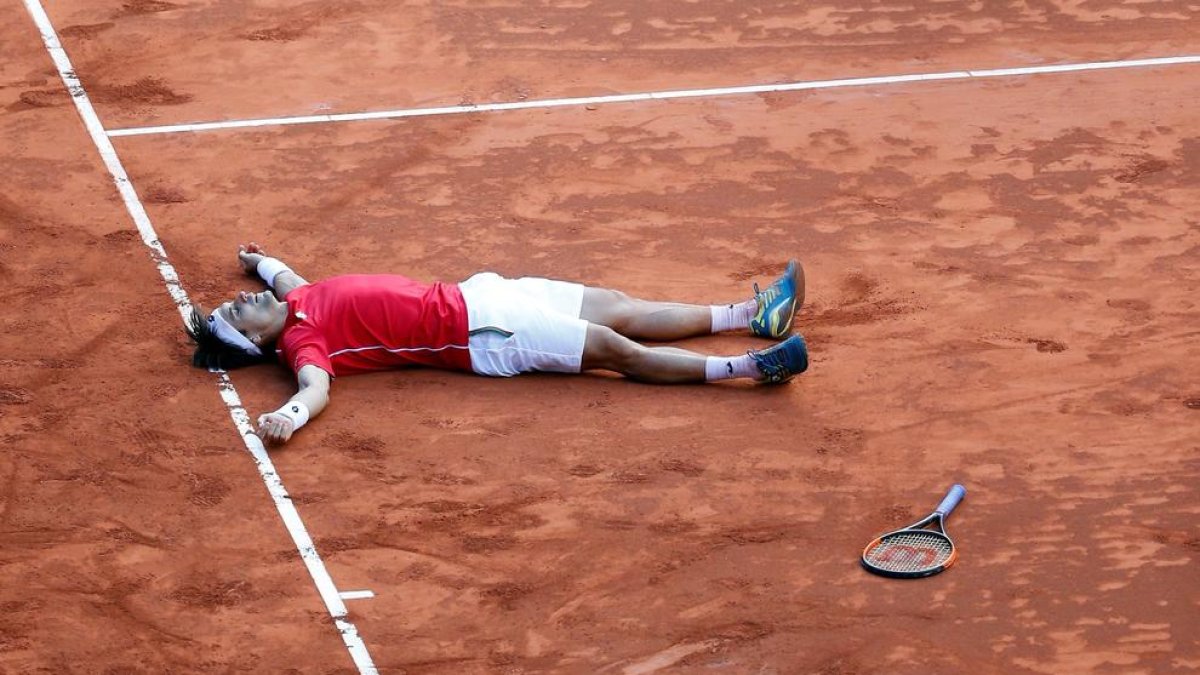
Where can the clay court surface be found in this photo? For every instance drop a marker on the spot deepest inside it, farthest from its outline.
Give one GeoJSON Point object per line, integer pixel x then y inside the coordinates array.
{"type": "Point", "coordinates": [1004, 291]}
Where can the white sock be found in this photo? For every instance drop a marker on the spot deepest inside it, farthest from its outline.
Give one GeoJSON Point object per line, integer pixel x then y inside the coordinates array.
{"type": "Point", "coordinates": [729, 367]}
{"type": "Point", "coordinates": [733, 317]}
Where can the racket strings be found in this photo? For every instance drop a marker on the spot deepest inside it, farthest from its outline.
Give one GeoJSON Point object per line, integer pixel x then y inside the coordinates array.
{"type": "Point", "coordinates": [911, 551]}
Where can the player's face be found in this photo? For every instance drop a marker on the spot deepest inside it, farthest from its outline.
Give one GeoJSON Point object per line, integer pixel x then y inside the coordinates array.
{"type": "Point", "coordinates": [251, 313]}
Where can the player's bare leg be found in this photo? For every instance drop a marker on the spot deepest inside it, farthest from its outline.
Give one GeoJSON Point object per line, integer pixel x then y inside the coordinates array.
{"type": "Point", "coordinates": [767, 313]}
{"type": "Point", "coordinates": [644, 319]}
{"type": "Point", "coordinates": [605, 349]}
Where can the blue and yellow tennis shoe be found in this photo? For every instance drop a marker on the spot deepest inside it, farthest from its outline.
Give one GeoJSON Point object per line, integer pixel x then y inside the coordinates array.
{"type": "Point", "coordinates": [778, 304]}
{"type": "Point", "coordinates": [780, 362]}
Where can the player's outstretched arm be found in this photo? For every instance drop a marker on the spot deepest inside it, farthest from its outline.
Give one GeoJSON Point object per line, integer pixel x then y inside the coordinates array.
{"type": "Point", "coordinates": [278, 426]}
{"type": "Point", "coordinates": [281, 278]}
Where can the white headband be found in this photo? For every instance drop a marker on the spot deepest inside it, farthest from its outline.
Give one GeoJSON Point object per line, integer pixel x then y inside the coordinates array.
{"type": "Point", "coordinates": [230, 335]}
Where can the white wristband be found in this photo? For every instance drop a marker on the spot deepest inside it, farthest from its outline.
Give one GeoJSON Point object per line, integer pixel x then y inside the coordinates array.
{"type": "Point", "coordinates": [295, 411]}
{"type": "Point", "coordinates": [269, 268]}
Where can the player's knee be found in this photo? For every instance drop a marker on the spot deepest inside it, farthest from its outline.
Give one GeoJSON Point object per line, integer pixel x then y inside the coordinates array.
{"type": "Point", "coordinates": [609, 307]}
{"type": "Point", "coordinates": [624, 310]}
{"type": "Point", "coordinates": [606, 349]}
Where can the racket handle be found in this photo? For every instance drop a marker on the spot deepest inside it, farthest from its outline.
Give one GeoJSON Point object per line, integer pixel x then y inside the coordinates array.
{"type": "Point", "coordinates": [952, 499]}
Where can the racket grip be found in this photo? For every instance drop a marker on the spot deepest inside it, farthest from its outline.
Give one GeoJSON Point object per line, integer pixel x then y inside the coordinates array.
{"type": "Point", "coordinates": [952, 499]}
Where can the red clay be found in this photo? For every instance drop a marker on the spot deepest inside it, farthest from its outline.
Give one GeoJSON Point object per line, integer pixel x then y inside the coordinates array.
{"type": "Point", "coordinates": [214, 60]}
{"type": "Point", "coordinates": [1002, 282]}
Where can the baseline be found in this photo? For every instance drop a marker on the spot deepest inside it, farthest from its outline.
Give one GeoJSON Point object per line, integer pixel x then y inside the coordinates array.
{"type": "Point", "coordinates": [655, 96]}
{"type": "Point", "coordinates": [241, 418]}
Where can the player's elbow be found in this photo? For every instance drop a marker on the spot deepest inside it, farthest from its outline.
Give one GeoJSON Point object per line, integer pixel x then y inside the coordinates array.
{"type": "Point", "coordinates": [319, 391]}
{"type": "Point", "coordinates": [314, 382]}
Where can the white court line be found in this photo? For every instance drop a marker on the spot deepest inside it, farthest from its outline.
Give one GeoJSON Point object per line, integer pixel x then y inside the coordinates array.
{"type": "Point", "coordinates": [654, 96]}
{"type": "Point", "coordinates": [357, 595]}
{"type": "Point", "coordinates": [241, 419]}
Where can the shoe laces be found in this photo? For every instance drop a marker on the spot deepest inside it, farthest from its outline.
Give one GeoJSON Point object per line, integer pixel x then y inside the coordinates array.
{"type": "Point", "coordinates": [772, 364]}
{"type": "Point", "coordinates": [767, 295]}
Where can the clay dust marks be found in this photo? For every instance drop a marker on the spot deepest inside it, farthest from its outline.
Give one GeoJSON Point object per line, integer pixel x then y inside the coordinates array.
{"type": "Point", "coordinates": [213, 594]}
{"type": "Point", "coordinates": [864, 299]}
{"type": "Point", "coordinates": [86, 31]}
{"type": "Point", "coordinates": [40, 98]}
{"type": "Point", "coordinates": [296, 22]}
{"type": "Point", "coordinates": [15, 396]}
{"type": "Point", "coordinates": [148, 91]}
{"type": "Point", "coordinates": [164, 194]}
{"type": "Point", "coordinates": [139, 7]}
{"type": "Point", "coordinates": [667, 657]}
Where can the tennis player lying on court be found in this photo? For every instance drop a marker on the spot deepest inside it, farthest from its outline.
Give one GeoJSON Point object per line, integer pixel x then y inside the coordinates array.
{"type": "Point", "coordinates": [487, 325]}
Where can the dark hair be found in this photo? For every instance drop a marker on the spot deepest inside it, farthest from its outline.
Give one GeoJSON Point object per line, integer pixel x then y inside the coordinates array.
{"type": "Point", "coordinates": [212, 352]}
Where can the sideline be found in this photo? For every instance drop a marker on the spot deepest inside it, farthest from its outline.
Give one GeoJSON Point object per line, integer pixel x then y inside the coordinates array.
{"type": "Point", "coordinates": [241, 419]}
{"type": "Point", "coordinates": [654, 96]}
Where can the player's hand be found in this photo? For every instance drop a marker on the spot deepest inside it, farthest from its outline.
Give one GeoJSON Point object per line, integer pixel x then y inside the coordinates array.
{"type": "Point", "coordinates": [274, 428]}
{"type": "Point", "coordinates": [249, 256]}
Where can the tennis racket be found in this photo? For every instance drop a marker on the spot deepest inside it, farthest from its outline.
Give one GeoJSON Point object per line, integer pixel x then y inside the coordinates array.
{"type": "Point", "coordinates": [914, 552]}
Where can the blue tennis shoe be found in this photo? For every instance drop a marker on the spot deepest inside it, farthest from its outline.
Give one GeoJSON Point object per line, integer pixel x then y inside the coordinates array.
{"type": "Point", "coordinates": [778, 304]}
{"type": "Point", "coordinates": [781, 362]}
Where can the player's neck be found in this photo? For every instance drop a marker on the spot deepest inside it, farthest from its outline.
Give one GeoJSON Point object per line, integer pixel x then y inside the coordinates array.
{"type": "Point", "coordinates": [278, 321]}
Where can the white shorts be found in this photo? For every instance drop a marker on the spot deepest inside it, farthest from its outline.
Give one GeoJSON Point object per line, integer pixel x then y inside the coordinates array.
{"type": "Point", "coordinates": [523, 325]}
